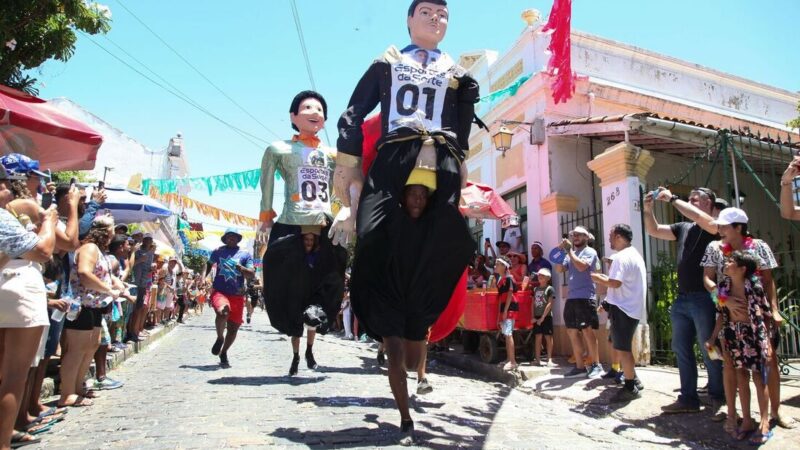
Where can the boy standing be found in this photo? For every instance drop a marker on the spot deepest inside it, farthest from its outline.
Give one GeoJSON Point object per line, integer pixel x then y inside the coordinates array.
{"type": "Point", "coordinates": [543, 296]}
{"type": "Point", "coordinates": [508, 308]}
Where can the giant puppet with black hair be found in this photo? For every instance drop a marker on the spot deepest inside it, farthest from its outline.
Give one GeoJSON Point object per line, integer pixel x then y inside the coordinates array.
{"type": "Point", "coordinates": [303, 273]}
{"type": "Point", "coordinates": [403, 276]}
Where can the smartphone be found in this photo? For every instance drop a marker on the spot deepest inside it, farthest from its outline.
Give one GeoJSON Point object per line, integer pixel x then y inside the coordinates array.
{"type": "Point", "coordinates": [73, 181]}
{"type": "Point", "coordinates": [487, 240]}
{"type": "Point", "coordinates": [101, 184]}
{"type": "Point", "coordinates": [656, 191]}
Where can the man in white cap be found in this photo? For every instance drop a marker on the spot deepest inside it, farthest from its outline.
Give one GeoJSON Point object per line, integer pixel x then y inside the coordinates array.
{"type": "Point", "coordinates": [627, 293]}
{"type": "Point", "coordinates": [693, 312]}
{"type": "Point", "coordinates": [580, 309]}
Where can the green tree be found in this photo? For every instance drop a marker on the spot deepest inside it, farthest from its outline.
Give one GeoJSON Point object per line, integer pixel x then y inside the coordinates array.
{"type": "Point", "coordinates": [81, 176]}
{"type": "Point", "coordinates": [195, 262]}
{"type": "Point", "coordinates": [795, 123]}
{"type": "Point", "coordinates": [34, 31]}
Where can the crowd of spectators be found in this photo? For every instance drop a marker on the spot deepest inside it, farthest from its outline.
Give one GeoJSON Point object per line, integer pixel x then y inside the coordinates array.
{"type": "Point", "coordinates": [727, 304]}
{"type": "Point", "coordinates": [64, 295]}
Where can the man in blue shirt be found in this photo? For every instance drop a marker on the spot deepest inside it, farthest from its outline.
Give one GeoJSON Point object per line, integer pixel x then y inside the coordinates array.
{"type": "Point", "coordinates": [580, 309]}
{"type": "Point", "coordinates": [228, 290]}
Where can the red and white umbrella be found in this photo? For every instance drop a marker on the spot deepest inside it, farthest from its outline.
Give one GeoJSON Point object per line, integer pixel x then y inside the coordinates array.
{"type": "Point", "coordinates": [479, 201]}
{"type": "Point", "coordinates": [29, 125]}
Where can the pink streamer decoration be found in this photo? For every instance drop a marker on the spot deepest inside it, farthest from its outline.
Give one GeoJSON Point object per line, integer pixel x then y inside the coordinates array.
{"type": "Point", "coordinates": [560, 65]}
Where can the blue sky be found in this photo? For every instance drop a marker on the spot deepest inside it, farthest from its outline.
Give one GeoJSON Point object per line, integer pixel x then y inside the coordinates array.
{"type": "Point", "coordinates": [250, 49]}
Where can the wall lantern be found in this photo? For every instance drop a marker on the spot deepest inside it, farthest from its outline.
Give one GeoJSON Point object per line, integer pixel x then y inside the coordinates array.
{"type": "Point", "coordinates": [502, 139]}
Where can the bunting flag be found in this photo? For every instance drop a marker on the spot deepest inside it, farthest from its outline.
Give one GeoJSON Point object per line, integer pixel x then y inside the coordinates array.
{"type": "Point", "coordinates": [560, 64]}
{"type": "Point", "coordinates": [509, 91]}
{"type": "Point", "coordinates": [203, 208]}
{"type": "Point", "coordinates": [237, 181]}
{"type": "Point", "coordinates": [189, 248]}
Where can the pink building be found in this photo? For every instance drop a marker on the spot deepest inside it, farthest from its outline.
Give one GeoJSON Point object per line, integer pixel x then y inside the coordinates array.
{"type": "Point", "coordinates": [638, 119]}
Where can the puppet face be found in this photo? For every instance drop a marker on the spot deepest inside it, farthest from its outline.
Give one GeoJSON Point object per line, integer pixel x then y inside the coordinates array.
{"type": "Point", "coordinates": [310, 117]}
{"type": "Point", "coordinates": [428, 25]}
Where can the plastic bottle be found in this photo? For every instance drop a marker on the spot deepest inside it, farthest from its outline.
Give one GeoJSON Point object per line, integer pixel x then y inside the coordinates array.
{"type": "Point", "coordinates": [74, 309]}
{"type": "Point", "coordinates": [57, 315]}
{"type": "Point", "coordinates": [713, 353]}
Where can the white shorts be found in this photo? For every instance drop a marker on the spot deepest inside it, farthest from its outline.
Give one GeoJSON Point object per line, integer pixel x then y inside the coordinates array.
{"type": "Point", "coordinates": [507, 327]}
{"type": "Point", "coordinates": [23, 297]}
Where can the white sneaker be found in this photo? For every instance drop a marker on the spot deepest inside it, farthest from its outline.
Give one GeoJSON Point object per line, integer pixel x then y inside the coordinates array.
{"type": "Point", "coordinates": [509, 366]}
{"type": "Point", "coordinates": [596, 371]}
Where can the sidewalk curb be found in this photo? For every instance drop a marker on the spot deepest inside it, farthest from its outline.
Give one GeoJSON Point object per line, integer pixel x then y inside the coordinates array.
{"type": "Point", "coordinates": [469, 363]}
{"type": "Point", "coordinates": [118, 358]}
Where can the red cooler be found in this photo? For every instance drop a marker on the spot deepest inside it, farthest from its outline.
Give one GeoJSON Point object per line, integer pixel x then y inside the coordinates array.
{"type": "Point", "coordinates": [482, 311]}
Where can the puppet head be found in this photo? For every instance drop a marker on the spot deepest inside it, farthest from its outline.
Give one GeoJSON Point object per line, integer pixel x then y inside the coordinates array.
{"type": "Point", "coordinates": [427, 22]}
{"type": "Point", "coordinates": [308, 112]}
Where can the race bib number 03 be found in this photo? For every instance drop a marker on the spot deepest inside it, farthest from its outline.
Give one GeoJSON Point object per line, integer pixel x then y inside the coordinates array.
{"type": "Point", "coordinates": [314, 188]}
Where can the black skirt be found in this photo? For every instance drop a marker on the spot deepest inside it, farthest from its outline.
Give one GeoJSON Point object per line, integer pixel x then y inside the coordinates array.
{"type": "Point", "coordinates": [405, 270]}
{"type": "Point", "coordinates": [291, 284]}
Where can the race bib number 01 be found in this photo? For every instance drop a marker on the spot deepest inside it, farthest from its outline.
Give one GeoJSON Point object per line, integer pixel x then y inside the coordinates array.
{"type": "Point", "coordinates": [418, 92]}
{"type": "Point", "coordinates": [314, 188]}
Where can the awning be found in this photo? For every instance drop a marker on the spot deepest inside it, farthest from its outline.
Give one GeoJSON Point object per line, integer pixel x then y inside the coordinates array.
{"type": "Point", "coordinates": [671, 135]}
{"type": "Point", "coordinates": [29, 125]}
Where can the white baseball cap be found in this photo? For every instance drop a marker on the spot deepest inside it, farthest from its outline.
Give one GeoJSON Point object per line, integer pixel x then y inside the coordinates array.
{"type": "Point", "coordinates": [544, 271]}
{"type": "Point", "coordinates": [729, 216]}
{"type": "Point", "coordinates": [581, 230]}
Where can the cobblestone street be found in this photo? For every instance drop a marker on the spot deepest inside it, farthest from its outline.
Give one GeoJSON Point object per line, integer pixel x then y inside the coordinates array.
{"type": "Point", "coordinates": [176, 396]}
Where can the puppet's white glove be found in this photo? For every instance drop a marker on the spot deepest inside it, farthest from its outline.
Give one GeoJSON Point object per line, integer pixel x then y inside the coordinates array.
{"type": "Point", "coordinates": [347, 183]}
{"type": "Point", "coordinates": [262, 234]}
{"type": "Point", "coordinates": [343, 229]}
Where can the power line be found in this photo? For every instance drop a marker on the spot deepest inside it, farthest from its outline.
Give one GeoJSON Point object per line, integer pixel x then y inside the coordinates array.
{"type": "Point", "coordinates": [197, 70]}
{"type": "Point", "coordinates": [304, 50]}
{"type": "Point", "coordinates": [241, 132]}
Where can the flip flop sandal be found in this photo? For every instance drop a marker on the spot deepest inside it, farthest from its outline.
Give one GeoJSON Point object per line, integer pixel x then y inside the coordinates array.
{"type": "Point", "coordinates": [21, 439]}
{"type": "Point", "coordinates": [52, 411]}
{"type": "Point", "coordinates": [759, 439]}
{"type": "Point", "coordinates": [79, 403]}
{"type": "Point", "coordinates": [45, 420]}
{"type": "Point", "coordinates": [39, 428]}
{"type": "Point", "coordinates": [90, 393]}
{"type": "Point", "coordinates": [744, 434]}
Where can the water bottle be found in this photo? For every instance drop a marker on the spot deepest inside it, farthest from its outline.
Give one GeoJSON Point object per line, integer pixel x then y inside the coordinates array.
{"type": "Point", "coordinates": [57, 315]}
{"type": "Point", "coordinates": [74, 309]}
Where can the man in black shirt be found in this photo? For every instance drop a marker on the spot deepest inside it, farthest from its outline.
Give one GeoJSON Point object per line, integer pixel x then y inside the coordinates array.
{"type": "Point", "coordinates": [693, 313]}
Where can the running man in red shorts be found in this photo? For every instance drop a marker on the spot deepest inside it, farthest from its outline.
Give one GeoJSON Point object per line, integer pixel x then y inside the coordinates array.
{"type": "Point", "coordinates": [228, 291]}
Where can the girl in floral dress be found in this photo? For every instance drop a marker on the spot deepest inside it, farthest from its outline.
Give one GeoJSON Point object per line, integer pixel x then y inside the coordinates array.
{"type": "Point", "coordinates": [744, 335]}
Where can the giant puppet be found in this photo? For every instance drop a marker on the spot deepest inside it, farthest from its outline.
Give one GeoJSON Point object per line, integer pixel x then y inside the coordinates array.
{"type": "Point", "coordinates": [303, 271]}
{"type": "Point", "coordinates": [405, 270]}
